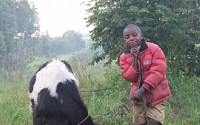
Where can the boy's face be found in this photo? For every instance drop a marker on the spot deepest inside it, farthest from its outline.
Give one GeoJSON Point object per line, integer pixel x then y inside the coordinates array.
{"type": "Point", "coordinates": [132, 36]}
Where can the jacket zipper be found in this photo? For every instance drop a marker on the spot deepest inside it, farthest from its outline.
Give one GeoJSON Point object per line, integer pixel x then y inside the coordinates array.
{"type": "Point", "coordinates": [140, 71]}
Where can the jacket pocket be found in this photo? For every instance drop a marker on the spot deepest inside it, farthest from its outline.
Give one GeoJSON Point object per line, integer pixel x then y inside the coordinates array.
{"type": "Point", "coordinates": [159, 93]}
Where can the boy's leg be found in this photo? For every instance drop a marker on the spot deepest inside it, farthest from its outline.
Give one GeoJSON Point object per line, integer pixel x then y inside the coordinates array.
{"type": "Point", "coordinates": [138, 114]}
{"type": "Point", "coordinates": [155, 114]}
{"type": "Point", "coordinates": [144, 124]}
{"type": "Point", "coordinates": [153, 122]}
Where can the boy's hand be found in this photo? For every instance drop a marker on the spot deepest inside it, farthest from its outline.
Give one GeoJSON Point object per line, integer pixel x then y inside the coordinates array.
{"type": "Point", "coordinates": [138, 93]}
{"type": "Point", "coordinates": [134, 48]}
{"type": "Point", "coordinates": [134, 51]}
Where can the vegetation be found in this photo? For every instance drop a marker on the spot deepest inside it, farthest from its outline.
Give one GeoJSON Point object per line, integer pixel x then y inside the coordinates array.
{"type": "Point", "coordinates": [174, 25]}
{"type": "Point", "coordinates": [50, 47]}
{"type": "Point", "coordinates": [182, 107]}
{"type": "Point", "coordinates": [20, 40]}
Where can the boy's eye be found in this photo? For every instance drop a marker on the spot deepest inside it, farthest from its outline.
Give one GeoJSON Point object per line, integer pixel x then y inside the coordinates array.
{"type": "Point", "coordinates": [134, 34]}
{"type": "Point", "coordinates": [126, 37]}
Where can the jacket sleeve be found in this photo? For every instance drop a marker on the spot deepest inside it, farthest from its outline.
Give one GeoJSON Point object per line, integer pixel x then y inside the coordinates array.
{"type": "Point", "coordinates": [157, 70]}
{"type": "Point", "coordinates": [128, 72]}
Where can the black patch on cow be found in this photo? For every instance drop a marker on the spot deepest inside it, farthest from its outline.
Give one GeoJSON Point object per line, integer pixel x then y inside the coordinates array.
{"type": "Point", "coordinates": [32, 82]}
{"type": "Point", "coordinates": [72, 102]}
{"type": "Point", "coordinates": [48, 110]}
{"type": "Point", "coordinates": [32, 104]}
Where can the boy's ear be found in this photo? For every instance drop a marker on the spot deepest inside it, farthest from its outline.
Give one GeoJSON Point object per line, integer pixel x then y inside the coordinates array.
{"type": "Point", "coordinates": [142, 37]}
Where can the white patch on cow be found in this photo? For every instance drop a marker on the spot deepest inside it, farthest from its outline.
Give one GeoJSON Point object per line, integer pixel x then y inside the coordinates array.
{"type": "Point", "coordinates": [49, 77]}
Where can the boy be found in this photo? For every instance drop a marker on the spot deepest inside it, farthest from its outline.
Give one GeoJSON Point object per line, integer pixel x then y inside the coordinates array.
{"type": "Point", "coordinates": [144, 65]}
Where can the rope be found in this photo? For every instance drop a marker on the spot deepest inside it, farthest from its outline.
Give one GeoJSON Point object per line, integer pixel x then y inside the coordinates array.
{"type": "Point", "coordinates": [83, 120]}
{"type": "Point", "coordinates": [144, 101]}
{"type": "Point", "coordinates": [121, 107]}
{"type": "Point", "coordinates": [95, 90]}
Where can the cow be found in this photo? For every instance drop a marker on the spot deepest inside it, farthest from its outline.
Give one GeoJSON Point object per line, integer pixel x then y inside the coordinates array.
{"type": "Point", "coordinates": [55, 98]}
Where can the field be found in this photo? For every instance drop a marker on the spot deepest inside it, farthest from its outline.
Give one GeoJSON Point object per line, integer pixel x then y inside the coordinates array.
{"type": "Point", "coordinates": [183, 108]}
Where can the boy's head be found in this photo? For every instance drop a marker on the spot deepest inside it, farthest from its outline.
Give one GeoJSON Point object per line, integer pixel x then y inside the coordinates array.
{"type": "Point", "coordinates": [133, 26]}
{"type": "Point", "coordinates": [132, 34]}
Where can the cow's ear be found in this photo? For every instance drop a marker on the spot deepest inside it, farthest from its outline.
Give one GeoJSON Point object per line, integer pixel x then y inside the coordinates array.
{"type": "Point", "coordinates": [67, 66]}
{"type": "Point", "coordinates": [43, 65]}
{"type": "Point", "coordinates": [32, 82]}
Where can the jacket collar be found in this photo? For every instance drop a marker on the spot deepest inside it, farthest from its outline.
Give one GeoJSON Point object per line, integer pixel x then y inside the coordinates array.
{"type": "Point", "coordinates": [142, 48]}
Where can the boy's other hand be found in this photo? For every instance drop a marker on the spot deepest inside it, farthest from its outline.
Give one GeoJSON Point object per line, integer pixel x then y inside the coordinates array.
{"type": "Point", "coordinates": [138, 93]}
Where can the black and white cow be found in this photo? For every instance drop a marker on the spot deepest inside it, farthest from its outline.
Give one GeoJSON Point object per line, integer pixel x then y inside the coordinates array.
{"type": "Point", "coordinates": [55, 98]}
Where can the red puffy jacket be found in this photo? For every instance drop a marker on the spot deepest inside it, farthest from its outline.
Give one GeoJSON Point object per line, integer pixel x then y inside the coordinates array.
{"type": "Point", "coordinates": [152, 66]}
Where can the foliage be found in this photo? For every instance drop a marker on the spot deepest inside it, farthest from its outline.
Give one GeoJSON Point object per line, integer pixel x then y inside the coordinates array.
{"type": "Point", "coordinates": [69, 42]}
{"type": "Point", "coordinates": [182, 107]}
{"type": "Point", "coordinates": [27, 19]}
{"type": "Point", "coordinates": [74, 40]}
{"type": "Point", "coordinates": [174, 25]}
{"type": "Point", "coordinates": [20, 40]}
{"type": "Point", "coordinates": [14, 104]}
{"type": "Point", "coordinates": [8, 24]}
{"type": "Point", "coordinates": [45, 46]}
{"type": "Point", "coordinates": [2, 45]}
{"type": "Point", "coordinates": [27, 27]}
{"type": "Point", "coordinates": [18, 24]}
{"type": "Point", "coordinates": [8, 29]}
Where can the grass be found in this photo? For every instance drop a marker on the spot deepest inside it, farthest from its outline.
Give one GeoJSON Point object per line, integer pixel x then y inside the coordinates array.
{"type": "Point", "coordinates": [182, 108]}
{"type": "Point", "coordinates": [14, 104]}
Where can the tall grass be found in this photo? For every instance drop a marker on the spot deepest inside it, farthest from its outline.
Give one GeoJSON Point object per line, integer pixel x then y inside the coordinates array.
{"type": "Point", "coordinates": [182, 108]}
{"type": "Point", "coordinates": [14, 104]}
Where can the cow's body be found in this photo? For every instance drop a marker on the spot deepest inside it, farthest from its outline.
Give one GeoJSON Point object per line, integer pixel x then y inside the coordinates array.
{"type": "Point", "coordinates": [55, 98]}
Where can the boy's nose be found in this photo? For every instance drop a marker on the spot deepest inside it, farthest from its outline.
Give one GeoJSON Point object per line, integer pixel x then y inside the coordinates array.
{"type": "Point", "coordinates": [132, 38]}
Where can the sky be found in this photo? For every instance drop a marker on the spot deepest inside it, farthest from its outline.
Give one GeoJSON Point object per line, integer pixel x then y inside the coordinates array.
{"type": "Point", "coordinates": [59, 16]}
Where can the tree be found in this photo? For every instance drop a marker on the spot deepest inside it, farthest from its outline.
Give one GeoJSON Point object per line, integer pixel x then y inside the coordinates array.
{"type": "Point", "coordinates": [8, 29]}
{"type": "Point", "coordinates": [74, 40]}
{"type": "Point", "coordinates": [174, 25]}
{"type": "Point", "coordinates": [43, 48]}
{"type": "Point", "coordinates": [18, 24]}
{"type": "Point", "coordinates": [2, 45]}
{"type": "Point", "coordinates": [8, 25]}
{"type": "Point", "coordinates": [27, 26]}
{"type": "Point", "coordinates": [68, 43]}
{"type": "Point", "coordinates": [2, 49]}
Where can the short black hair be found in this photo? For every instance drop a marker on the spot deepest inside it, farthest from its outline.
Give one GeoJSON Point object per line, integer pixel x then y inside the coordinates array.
{"type": "Point", "coordinates": [133, 26]}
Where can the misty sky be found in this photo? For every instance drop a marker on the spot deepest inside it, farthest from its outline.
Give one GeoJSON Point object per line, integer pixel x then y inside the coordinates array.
{"type": "Point", "coordinates": [58, 16]}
